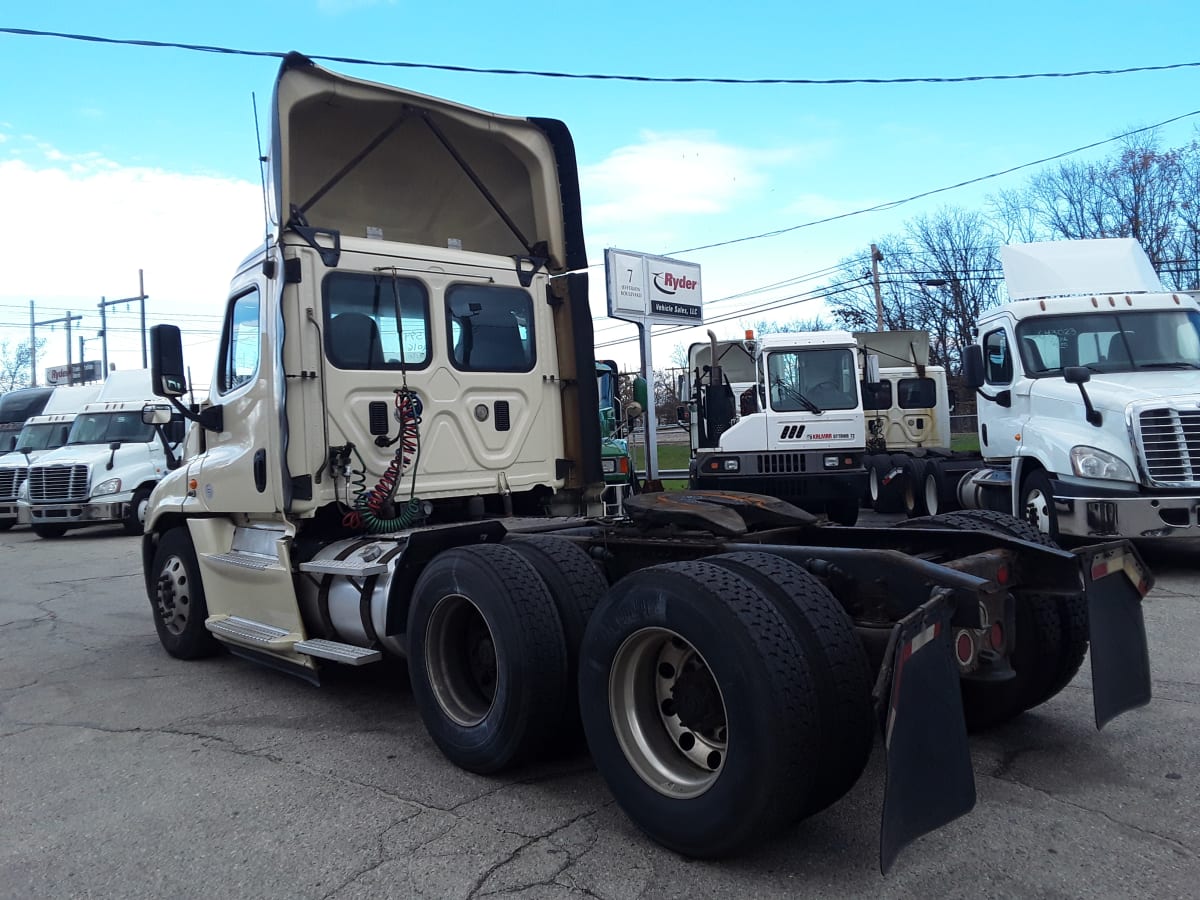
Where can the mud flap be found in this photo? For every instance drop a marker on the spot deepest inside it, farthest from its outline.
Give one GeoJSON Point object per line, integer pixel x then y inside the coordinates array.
{"type": "Point", "coordinates": [1116, 579]}
{"type": "Point", "coordinates": [929, 777]}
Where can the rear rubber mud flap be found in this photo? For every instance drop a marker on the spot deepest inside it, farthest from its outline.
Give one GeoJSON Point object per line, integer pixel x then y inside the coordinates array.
{"type": "Point", "coordinates": [1116, 580]}
{"type": "Point", "coordinates": [929, 777]}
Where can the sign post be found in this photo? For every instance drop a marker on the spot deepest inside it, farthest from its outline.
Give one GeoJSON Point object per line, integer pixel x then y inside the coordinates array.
{"type": "Point", "coordinates": [652, 290]}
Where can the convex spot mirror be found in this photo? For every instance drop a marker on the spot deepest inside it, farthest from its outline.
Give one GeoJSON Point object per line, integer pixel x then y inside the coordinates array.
{"type": "Point", "coordinates": [156, 414]}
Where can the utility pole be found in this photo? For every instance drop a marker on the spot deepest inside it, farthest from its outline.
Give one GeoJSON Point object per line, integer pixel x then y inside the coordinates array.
{"type": "Point", "coordinates": [104, 304]}
{"type": "Point", "coordinates": [33, 326]}
{"type": "Point", "coordinates": [876, 259]}
{"type": "Point", "coordinates": [32, 348]}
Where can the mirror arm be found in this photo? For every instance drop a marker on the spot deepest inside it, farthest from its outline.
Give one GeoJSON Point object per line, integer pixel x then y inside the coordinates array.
{"type": "Point", "coordinates": [1090, 412]}
{"type": "Point", "coordinates": [173, 461]}
{"type": "Point", "coordinates": [211, 419]}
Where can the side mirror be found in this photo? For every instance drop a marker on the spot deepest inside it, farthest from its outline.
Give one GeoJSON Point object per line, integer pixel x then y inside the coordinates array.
{"type": "Point", "coordinates": [156, 414]}
{"type": "Point", "coordinates": [166, 362]}
{"type": "Point", "coordinates": [115, 445]}
{"type": "Point", "coordinates": [1077, 374]}
{"type": "Point", "coordinates": [973, 366]}
{"type": "Point", "coordinates": [871, 375]}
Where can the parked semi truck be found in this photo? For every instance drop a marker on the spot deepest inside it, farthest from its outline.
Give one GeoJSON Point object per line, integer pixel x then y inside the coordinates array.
{"type": "Point", "coordinates": [402, 458]}
{"type": "Point", "coordinates": [616, 461]}
{"type": "Point", "coordinates": [1088, 400]}
{"type": "Point", "coordinates": [38, 436]}
{"type": "Point", "coordinates": [781, 415]}
{"type": "Point", "coordinates": [109, 464]}
{"type": "Point", "coordinates": [15, 408]}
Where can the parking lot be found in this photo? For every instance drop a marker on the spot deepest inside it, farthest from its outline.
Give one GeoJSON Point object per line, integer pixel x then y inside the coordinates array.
{"type": "Point", "coordinates": [125, 773]}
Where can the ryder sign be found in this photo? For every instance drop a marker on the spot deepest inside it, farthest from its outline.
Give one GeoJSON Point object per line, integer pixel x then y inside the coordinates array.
{"type": "Point", "coordinates": [652, 289]}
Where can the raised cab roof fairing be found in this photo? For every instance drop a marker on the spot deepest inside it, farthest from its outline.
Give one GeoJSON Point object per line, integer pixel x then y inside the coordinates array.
{"type": "Point", "coordinates": [1066, 268]}
{"type": "Point", "coordinates": [366, 159]}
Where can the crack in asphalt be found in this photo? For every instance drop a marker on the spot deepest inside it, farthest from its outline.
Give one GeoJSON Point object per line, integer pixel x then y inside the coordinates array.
{"type": "Point", "coordinates": [381, 856]}
{"type": "Point", "coordinates": [476, 888]}
{"type": "Point", "coordinates": [1000, 774]}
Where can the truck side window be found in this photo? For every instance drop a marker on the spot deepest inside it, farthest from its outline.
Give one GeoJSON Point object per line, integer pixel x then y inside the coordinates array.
{"type": "Point", "coordinates": [240, 342]}
{"type": "Point", "coordinates": [879, 397]}
{"type": "Point", "coordinates": [917, 393]}
{"type": "Point", "coordinates": [997, 358]}
{"type": "Point", "coordinates": [376, 322]}
{"type": "Point", "coordinates": [490, 328]}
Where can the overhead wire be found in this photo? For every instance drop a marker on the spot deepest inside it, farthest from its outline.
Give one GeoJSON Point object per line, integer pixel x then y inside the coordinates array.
{"type": "Point", "coordinates": [596, 76]}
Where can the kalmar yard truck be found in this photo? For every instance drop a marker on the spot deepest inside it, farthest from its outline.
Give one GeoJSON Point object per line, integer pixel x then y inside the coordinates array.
{"type": "Point", "coordinates": [402, 459]}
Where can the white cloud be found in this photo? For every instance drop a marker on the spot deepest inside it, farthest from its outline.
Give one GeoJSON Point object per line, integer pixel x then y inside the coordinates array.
{"type": "Point", "coordinates": [670, 175]}
{"type": "Point", "coordinates": [75, 228]}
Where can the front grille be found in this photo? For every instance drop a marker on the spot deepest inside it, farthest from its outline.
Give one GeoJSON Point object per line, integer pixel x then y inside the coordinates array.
{"type": "Point", "coordinates": [777, 463]}
{"type": "Point", "coordinates": [1169, 443]}
{"type": "Point", "coordinates": [10, 481]}
{"type": "Point", "coordinates": [58, 484]}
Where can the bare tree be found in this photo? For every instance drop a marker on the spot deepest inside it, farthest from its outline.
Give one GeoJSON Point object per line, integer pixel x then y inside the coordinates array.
{"type": "Point", "coordinates": [767, 326]}
{"type": "Point", "coordinates": [15, 364]}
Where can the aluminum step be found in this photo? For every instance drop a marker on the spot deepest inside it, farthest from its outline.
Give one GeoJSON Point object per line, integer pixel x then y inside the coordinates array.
{"type": "Point", "coordinates": [351, 568]}
{"type": "Point", "coordinates": [247, 631]}
{"type": "Point", "coordinates": [342, 653]}
{"type": "Point", "coordinates": [243, 560]}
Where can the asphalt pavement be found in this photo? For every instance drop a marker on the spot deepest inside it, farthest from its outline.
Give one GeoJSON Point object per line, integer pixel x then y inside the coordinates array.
{"type": "Point", "coordinates": [125, 773]}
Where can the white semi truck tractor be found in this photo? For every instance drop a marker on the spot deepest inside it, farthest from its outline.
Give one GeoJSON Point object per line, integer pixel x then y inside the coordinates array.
{"type": "Point", "coordinates": [1088, 386]}
{"type": "Point", "coordinates": [402, 458]}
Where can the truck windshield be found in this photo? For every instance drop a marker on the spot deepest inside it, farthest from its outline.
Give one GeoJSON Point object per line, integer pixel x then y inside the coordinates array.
{"type": "Point", "coordinates": [43, 436]}
{"type": "Point", "coordinates": [801, 379]}
{"type": "Point", "coordinates": [104, 428]}
{"type": "Point", "coordinates": [1111, 342]}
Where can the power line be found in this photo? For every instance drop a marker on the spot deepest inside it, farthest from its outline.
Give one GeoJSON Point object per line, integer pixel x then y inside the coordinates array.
{"type": "Point", "coordinates": [592, 76]}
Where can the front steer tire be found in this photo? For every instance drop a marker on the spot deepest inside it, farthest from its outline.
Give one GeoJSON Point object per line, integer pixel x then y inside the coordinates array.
{"type": "Point", "coordinates": [49, 532]}
{"type": "Point", "coordinates": [177, 598]}
{"type": "Point", "coordinates": [487, 658]}
{"type": "Point", "coordinates": [700, 708]}
{"type": "Point", "coordinates": [134, 520]}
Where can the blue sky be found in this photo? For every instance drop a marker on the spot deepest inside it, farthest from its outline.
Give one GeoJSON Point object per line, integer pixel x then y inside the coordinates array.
{"type": "Point", "coordinates": [117, 158]}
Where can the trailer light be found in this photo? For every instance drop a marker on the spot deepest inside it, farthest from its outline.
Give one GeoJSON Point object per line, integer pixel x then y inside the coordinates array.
{"type": "Point", "coordinates": [848, 461]}
{"type": "Point", "coordinates": [732, 465]}
{"type": "Point", "coordinates": [1002, 575]}
{"type": "Point", "coordinates": [623, 465]}
{"type": "Point", "coordinates": [831, 462]}
{"type": "Point", "coordinates": [996, 636]}
{"type": "Point", "coordinates": [964, 647]}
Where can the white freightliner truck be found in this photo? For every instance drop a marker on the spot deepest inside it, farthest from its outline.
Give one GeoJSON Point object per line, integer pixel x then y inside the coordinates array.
{"type": "Point", "coordinates": [402, 458]}
{"type": "Point", "coordinates": [38, 436]}
{"type": "Point", "coordinates": [781, 415]}
{"type": "Point", "coordinates": [109, 464]}
{"type": "Point", "coordinates": [1088, 385]}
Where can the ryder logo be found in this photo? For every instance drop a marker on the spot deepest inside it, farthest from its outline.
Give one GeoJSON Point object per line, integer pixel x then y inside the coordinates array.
{"type": "Point", "coordinates": [668, 283]}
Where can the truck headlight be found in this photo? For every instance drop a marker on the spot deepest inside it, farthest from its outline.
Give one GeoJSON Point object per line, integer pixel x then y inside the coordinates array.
{"type": "Point", "coordinates": [1089, 462]}
{"type": "Point", "coordinates": [609, 466]}
{"type": "Point", "coordinates": [112, 486]}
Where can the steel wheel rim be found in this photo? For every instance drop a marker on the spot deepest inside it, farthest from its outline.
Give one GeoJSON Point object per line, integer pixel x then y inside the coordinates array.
{"type": "Point", "coordinates": [875, 486]}
{"type": "Point", "coordinates": [1037, 511]}
{"type": "Point", "coordinates": [173, 595]}
{"type": "Point", "coordinates": [674, 757]}
{"type": "Point", "coordinates": [461, 660]}
{"type": "Point", "coordinates": [932, 498]}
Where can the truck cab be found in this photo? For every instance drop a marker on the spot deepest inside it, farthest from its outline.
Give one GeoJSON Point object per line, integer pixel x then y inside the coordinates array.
{"type": "Point", "coordinates": [38, 436]}
{"type": "Point", "coordinates": [16, 407]}
{"type": "Point", "coordinates": [786, 420]}
{"type": "Point", "coordinates": [1089, 409]}
{"type": "Point", "coordinates": [110, 463]}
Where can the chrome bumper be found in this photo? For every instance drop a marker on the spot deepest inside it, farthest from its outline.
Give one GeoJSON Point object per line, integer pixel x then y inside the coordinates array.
{"type": "Point", "coordinates": [1129, 517]}
{"type": "Point", "coordinates": [83, 513]}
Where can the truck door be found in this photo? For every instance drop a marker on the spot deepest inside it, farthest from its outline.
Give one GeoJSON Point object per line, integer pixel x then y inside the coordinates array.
{"type": "Point", "coordinates": [1000, 420]}
{"type": "Point", "coordinates": [240, 472]}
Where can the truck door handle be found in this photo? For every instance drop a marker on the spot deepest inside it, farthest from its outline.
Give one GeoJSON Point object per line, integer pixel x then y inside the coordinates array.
{"type": "Point", "coordinates": [260, 470]}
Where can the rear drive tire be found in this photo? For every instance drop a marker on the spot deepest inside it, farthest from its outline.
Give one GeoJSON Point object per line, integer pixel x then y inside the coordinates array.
{"type": "Point", "coordinates": [934, 483]}
{"type": "Point", "coordinates": [886, 497]}
{"type": "Point", "coordinates": [487, 659]}
{"type": "Point", "coordinates": [843, 511]}
{"type": "Point", "coordinates": [1051, 638]}
{"type": "Point", "coordinates": [841, 673]}
{"type": "Point", "coordinates": [700, 708]}
{"type": "Point", "coordinates": [177, 598]}
{"type": "Point", "coordinates": [914, 487]}
{"type": "Point", "coordinates": [576, 586]}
